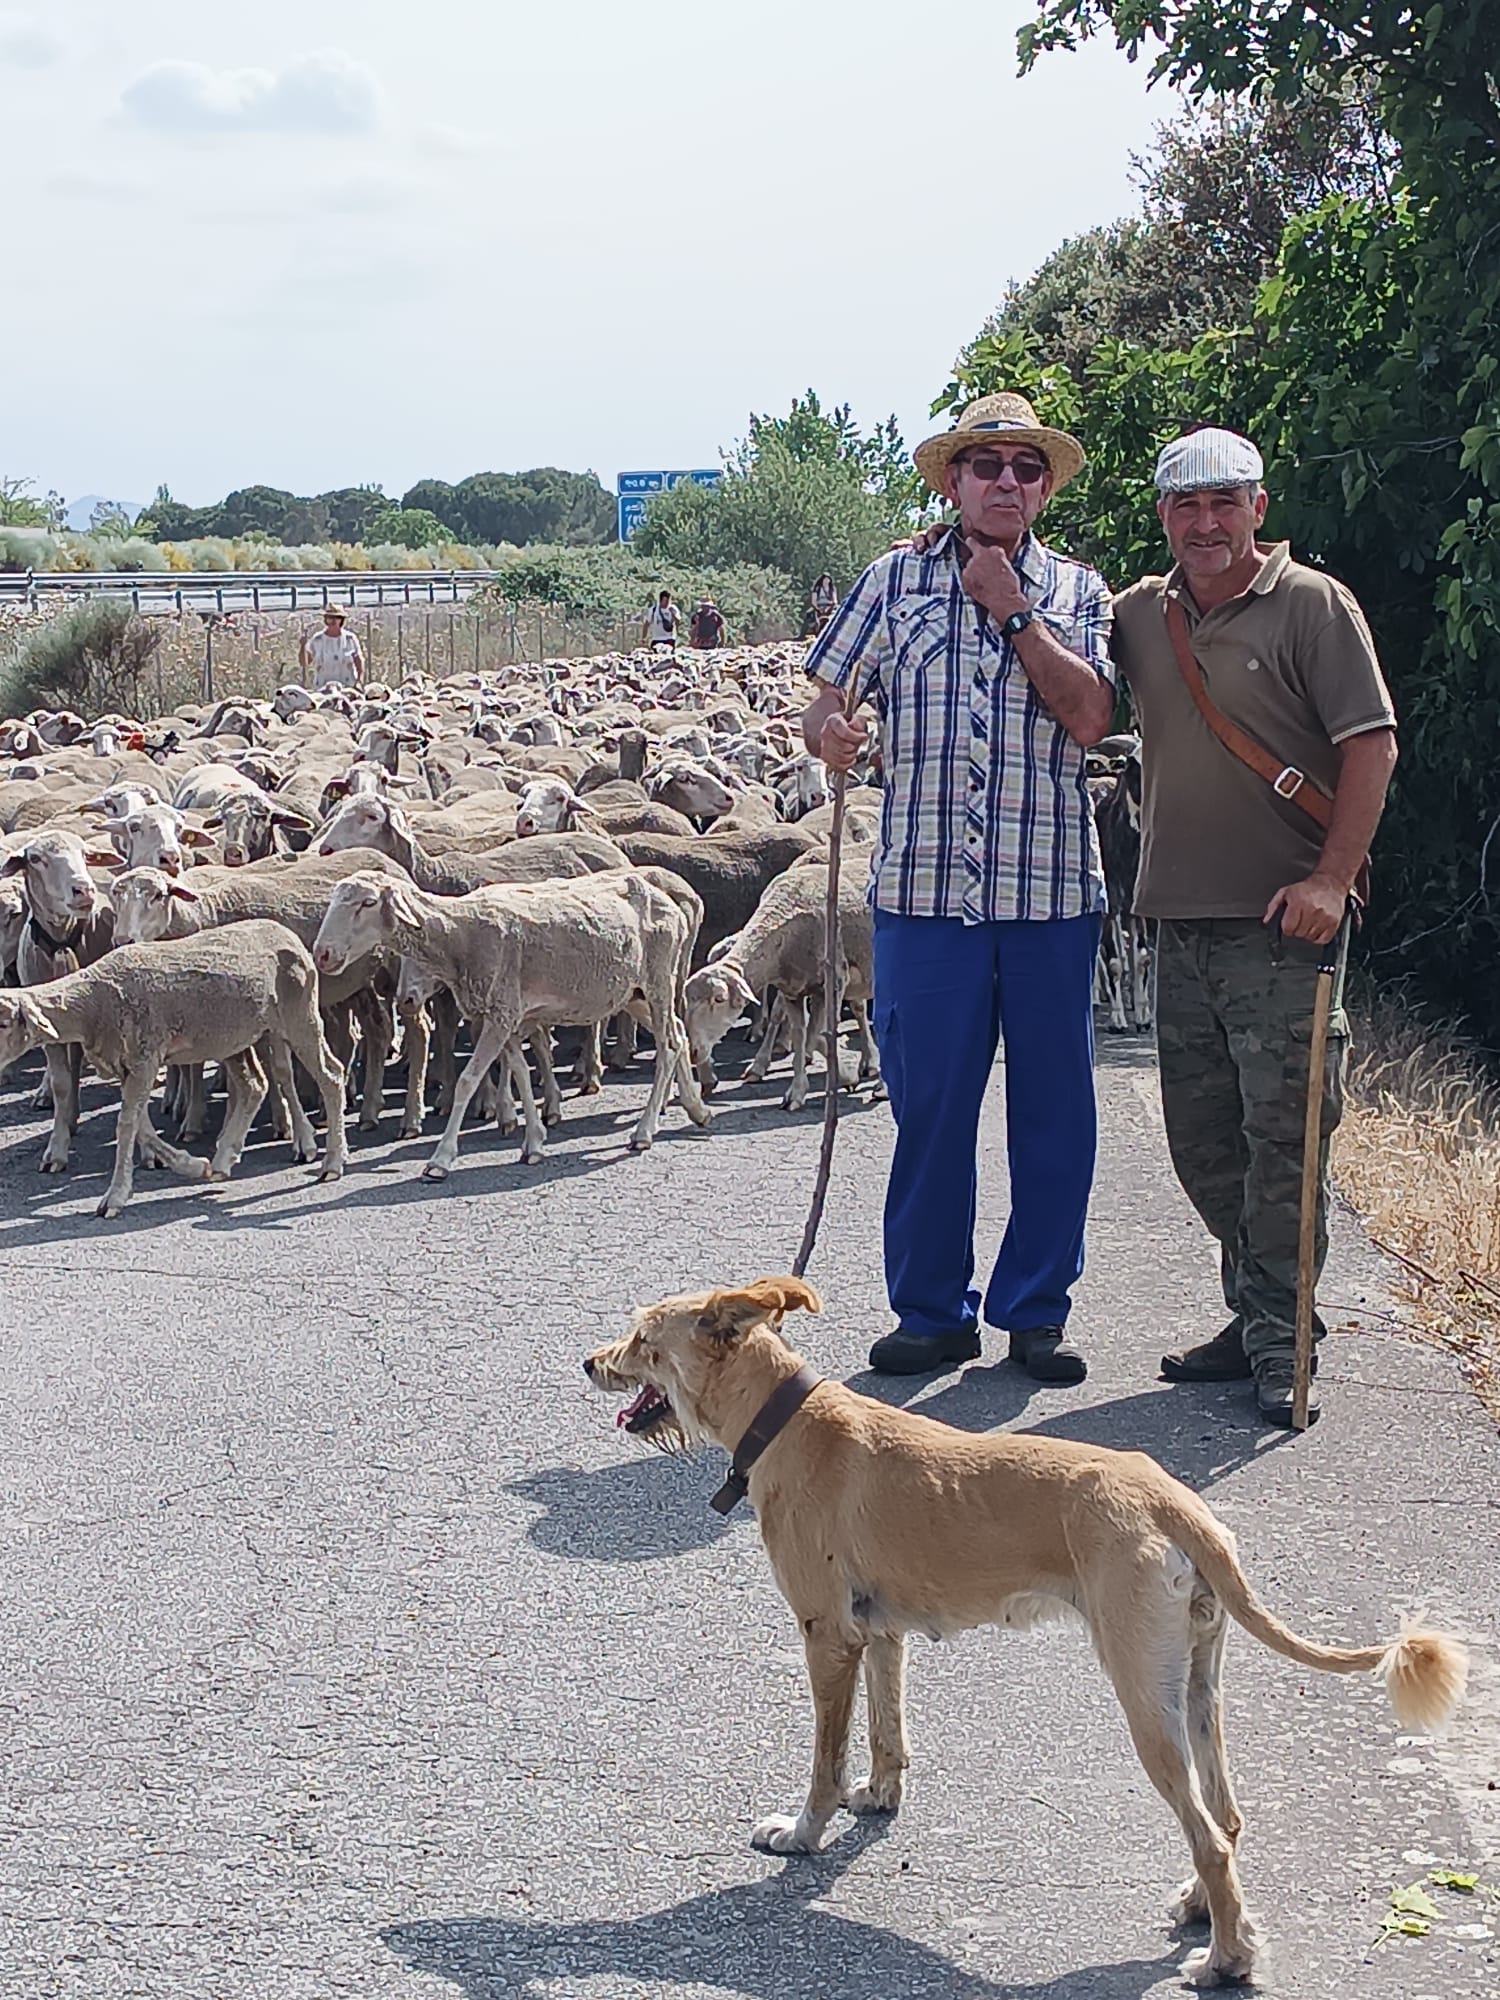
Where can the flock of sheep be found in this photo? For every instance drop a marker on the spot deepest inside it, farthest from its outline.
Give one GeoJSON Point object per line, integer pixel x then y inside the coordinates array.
{"type": "Point", "coordinates": [531, 862]}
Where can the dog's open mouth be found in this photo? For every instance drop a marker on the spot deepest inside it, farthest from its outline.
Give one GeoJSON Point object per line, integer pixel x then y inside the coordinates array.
{"type": "Point", "coordinates": [644, 1412]}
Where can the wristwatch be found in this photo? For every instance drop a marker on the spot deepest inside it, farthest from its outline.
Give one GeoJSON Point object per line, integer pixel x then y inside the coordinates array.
{"type": "Point", "coordinates": [1017, 622]}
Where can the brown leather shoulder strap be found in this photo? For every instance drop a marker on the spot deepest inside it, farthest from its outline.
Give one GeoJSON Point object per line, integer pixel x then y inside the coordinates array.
{"type": "Point", "coordinates": [1284, 779]}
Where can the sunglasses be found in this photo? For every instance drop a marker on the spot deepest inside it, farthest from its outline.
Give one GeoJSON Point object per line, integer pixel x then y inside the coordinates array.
{"type": "Point", "coordinates": [1028, 466]}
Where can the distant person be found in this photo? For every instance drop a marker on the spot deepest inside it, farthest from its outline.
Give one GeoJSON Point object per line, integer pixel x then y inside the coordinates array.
{"type": "Point", "coordinates": [662, 621]}
{"type": "Point", "coordinates": [708, 628]}
{"type": "Point", "coordinates": [825, 599]}
{"type": "Point", "coordinates": [334, 655]}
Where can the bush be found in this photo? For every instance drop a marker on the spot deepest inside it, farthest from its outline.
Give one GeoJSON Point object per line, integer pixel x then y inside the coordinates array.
{"type": "Point", "coordinates": [92, 657]}
{"type": "Point", "coordinates": [27, 548]}
{"type": "Point", "coordinates": [601, 586]}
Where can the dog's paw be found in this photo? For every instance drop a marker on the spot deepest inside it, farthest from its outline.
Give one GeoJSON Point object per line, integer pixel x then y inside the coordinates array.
{"type": "Point", "coordinates": [1190, 1904]}
{"type": "Point", "coordinates": [1210, 1967]}
{"type": "Point", "coordinates": [876, 1795]}
{"type": "Point", "coordinates": [783, 1834]}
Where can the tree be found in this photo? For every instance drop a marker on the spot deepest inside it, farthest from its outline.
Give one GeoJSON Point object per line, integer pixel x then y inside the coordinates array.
{"type": "Point", "coordinates": [1218, 192]}
{"type": "Point", "coordinates": [168, 520]}
{"type": "Point", "coordinates": [21, 506]}
{"type": "Point", "coordinates": [349, 510]}
{"type": "Point", "coordinates": [110, 522]}
{"type": "Point", "coordinates": [811, 435]}
{"type": "Point", "coordinates": [409, 527]}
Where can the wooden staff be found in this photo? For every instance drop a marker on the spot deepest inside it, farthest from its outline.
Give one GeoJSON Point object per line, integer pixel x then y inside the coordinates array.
{"type": "Point", "coordinates": [833, 1000]}
{"type": "Point", "coordinates": [1312, 1156]}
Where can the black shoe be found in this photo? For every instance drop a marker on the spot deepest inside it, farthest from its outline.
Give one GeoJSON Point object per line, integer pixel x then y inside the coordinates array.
{"type": "Point", "coordinates": [907, 1353]}
{"type": "Point", "coordinates": [1221, 1359]}
{"type": "Point", "coordinates": [1047, 1355]}
{"type": "Point", "coordinates": [1273, 1391]}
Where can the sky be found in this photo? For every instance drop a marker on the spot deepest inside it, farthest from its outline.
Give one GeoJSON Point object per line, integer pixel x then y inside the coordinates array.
{"type": "Point", "coordinates": [318, 243]}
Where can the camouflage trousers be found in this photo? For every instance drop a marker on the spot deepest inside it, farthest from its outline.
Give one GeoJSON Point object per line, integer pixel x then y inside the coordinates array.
{"type": "Point", "coordinates": [1234, 1026]}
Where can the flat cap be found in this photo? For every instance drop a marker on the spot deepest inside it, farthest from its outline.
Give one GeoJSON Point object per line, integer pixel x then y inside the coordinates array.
{"type": "Point", "coordinates": [1208, 458]}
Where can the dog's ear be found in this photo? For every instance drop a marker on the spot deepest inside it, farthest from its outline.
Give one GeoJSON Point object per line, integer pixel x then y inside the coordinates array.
{"type": "Point", "coordinates": [730, 1313]}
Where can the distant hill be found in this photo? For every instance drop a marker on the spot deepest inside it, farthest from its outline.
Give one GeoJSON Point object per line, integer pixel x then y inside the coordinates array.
{"type": "Point", "coordinates": [79, 513]}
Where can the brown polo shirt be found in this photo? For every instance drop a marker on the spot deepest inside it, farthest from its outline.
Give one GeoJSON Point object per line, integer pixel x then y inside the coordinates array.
{"type": "Point", "coordinates": [1292, 662]}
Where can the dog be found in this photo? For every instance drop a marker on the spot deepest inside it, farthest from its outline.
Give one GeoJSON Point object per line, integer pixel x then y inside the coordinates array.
{"type": "Point", "coordinates": [879, 1522]}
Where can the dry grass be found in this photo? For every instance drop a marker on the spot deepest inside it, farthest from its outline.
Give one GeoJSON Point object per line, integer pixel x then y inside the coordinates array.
{"type": "Point", "coordinates": [1418, 1154]}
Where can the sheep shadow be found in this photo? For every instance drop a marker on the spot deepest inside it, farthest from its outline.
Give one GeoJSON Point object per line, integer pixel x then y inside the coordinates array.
{"type": "Point", "coordinates": [769, 1938]}
{"type": "Point", "coordinates": [638, 1510]}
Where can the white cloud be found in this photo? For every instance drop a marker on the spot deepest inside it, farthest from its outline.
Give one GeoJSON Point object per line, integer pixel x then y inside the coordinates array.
{"type": "Point", "coordinates": [323, 93]}
{"type": "Point", "coordinates": [447, 142]}
{"type": "Point", "coordinates": [25, 43]}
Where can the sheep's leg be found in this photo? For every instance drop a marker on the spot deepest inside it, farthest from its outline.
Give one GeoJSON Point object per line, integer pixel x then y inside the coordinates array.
{"type": "Point", "coordinates": [247, 1092]}
{"type": "Point", "coordinates": [621, 1055]}
{"type": "Point", "coordinates": [774, 1027]}
{"type": "Point", "coordinates": [869, 1055]}
{"type": "Point", "coordinates": [588, 1070]}
{"type": "Point", "coordinates": [304, 1035]}
{"type": "Point", "coordinates": [193, 1102]}
{"type": "Point", "coordinates": [534, 1142]}
{"type": "Point", "coordinates": [689, 1096]}
{"type": "Point", "coordinates": [445, 1034]}
{"type": "Point", "coordinates": [134, 1095]}
{"type": "Point", "coordinates": [540, 1043]}
{"type": "Point", "coordinates": [277, 1058]}
{"type": "Point", "coordinates": [375, 1035]}
{"type": "Point", "coordinates": [488, 1044]}
{"type": "Point", "coordinates": [670, 1066]}
{"type": "Point", "coordinates": [64, 1068]}
{"type": "Point", "coordinates": [416, 1036]}
{"type": "Point", "coordinates": [796, 1095]}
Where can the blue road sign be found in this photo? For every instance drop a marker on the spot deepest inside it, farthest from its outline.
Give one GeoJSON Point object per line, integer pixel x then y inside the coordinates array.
{"type": "Point", "coordinates": [634, 489]}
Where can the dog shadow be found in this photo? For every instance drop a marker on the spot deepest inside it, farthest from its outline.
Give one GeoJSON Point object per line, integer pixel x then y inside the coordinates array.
{"type": "Point", "coordinates": [636, 1511]}
{"type": "Point", "coordinates": [766, 1938]}
{"type": "Point", "coordinates": [1200, 1433]}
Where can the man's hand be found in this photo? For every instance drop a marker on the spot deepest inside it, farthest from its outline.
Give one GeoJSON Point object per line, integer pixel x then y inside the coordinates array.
{"type": "Point", "coordinates": [989, 580]}
{"type": "Point", "coordinates": [1311, 910]}
{"type": "Point", "coordinates": [842, 740]}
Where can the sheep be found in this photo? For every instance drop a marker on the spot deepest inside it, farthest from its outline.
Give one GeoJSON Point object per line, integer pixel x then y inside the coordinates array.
{"type": "Point", "coordinates": [524, 955]}
{"type": "Point", "coordinates": [630, 763]}
{"type": "Point", "coordinates": [119, 801]}
{"type": "Point", "coordinates": [68, 925]}
{"type": "Point", "coordinates": [151, 837]}
{"type": "Point", "coordinates": [730, 871]}
{"type": "Point", "coordinates": [376, 823]}
{"type": "Point", "coordinates": [201, 999]}
{"type": "Point", "coordinates": [149, 905]}
{"type": "Point", "coordinates": [691, 789]}
{"type": "Point", "coordinates": [250, 823]}
{"type": "Point", "coordinates": [802, 783]}
{"type": "Point", "coordinates": [623, 806]}
{"type": "Point", "coordinates": [206, 786]}
{"type": "Point", "coordinates": [550, 805]}
{"type": "Point", "coordinates": [781, 950]}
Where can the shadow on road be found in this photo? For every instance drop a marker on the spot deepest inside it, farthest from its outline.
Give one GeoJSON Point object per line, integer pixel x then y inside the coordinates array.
{"type": "Point", "coordinates": [635, 1511]}
{"type": "Point", "coordinates": [768, 1938]}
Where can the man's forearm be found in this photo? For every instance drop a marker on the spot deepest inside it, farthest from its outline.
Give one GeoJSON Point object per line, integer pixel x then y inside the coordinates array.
{"type": "Point", "coordinates": [1080, 699]}
{"type": "Point", "coordinates": [1366, 762]}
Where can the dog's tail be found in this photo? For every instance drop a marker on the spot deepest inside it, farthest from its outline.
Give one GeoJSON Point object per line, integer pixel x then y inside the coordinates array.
{"type": "Point", "coordinates": [1425, 1673]}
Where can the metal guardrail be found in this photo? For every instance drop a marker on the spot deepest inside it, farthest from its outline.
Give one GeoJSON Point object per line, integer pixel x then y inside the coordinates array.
{"type": "Point", "coordinates": [223, 591]}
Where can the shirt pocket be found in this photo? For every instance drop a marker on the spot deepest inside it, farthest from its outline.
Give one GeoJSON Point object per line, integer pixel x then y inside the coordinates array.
{"type": "Point", "coordinates": [919, 631]}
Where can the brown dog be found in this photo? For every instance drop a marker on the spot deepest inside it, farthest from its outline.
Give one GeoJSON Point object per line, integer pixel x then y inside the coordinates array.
{"type": "Point", "coordinates": [879, 1522]}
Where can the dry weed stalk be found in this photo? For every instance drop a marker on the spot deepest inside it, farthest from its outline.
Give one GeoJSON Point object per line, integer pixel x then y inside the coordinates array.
{"type": "Point", "coordinates": [1418, 1154]}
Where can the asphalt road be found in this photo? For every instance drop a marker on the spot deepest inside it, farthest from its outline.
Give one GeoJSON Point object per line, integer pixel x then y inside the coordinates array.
{"type": "Point", "coordinates": [348, 1649]}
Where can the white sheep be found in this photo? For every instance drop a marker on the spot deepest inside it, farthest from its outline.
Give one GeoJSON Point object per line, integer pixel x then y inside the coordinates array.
{"type": "Point", "coordinates": [524, 955]}
{"type": "Point", "coordinates": [201, 999]}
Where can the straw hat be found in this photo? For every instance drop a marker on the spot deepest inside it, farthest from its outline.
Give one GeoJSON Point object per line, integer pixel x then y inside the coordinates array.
{"type": "Point", "coordinates": [334, 611]}
{"type": "Point", "coordinates": [1006, 418]}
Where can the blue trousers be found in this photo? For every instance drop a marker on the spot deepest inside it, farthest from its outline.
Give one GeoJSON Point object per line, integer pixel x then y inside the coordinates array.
{"type": "Point", "coordinates": [945, 992]}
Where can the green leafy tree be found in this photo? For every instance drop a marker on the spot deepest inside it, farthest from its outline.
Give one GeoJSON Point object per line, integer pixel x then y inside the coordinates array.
{"type": "Point", "coordinates": [21, 506]}
{"type": "Point", "coordinates": [349, 510]}
{"type": "Point", "coordinates": [410, 527]}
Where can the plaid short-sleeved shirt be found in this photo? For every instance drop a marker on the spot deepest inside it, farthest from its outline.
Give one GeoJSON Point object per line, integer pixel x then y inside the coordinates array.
{"type": "Point", "coordinates": [987, 812]}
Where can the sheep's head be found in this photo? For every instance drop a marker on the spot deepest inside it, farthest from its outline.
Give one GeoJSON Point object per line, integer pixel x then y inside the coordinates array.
{"type": "Point", "coordinates": [712, 1001]}
{"type": "Point", "coordinates": [142, 900]}
{"type": "Point", "coordinates": [23, 1026]}
{"type": "Point", "coordinates": [366, 820]}
{"type": "Point", "coordinates": [58, 887]}
{"type": "Point", "coordinates": [675, 1361]}
{"type": "Point", "coordinates": [548, 805]}
{"type": "Point", "coordinates": [365, 911]}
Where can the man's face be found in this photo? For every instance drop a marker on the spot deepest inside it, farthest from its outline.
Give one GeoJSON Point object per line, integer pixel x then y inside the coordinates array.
{"type": "Point", "coordinates": [999, 489]}
{"type": "Point", "coordinates": [1212, 530]}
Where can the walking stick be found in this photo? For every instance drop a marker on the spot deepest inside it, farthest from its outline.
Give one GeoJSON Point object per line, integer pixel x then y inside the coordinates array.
{"type": "Point", "coordinates": [1312, 1150]}
{"type": "Point", "coordinates": [832, 1006]}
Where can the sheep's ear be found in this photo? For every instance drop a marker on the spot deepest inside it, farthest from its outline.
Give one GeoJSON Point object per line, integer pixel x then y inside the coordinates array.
{"type": "Point", "coordinates": [14, 863]}
{"type": "Point", "coordinates": [739, 986]}
{"type": "Point", "coordinates": [289, 816]}
{"type": "Point", "coordinates": [730, 1314]}
{"type": "Point", "coordinates": [336, 788]}
{"type": "Point", "coordinates": [103, 857]}
{"type": "Point", "coordinates": [182, 893]}
{"type": "Point", "coordinates": [214, 820]}
{"type": "Point", "coordinates": [397, 907]}
{"type": "Point", "coordinates": [194, 836]}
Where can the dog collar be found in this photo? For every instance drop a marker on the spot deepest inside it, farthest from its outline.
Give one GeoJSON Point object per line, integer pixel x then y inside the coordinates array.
{"type": "Point", "coordinates": [774, 1414]}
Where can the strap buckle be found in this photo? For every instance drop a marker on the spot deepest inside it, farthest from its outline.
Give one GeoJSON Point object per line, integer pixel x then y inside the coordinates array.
{"type": "Point", "coordinates": [1289, 783]}
{"type": "Point", "coordinates": [730, 1494]}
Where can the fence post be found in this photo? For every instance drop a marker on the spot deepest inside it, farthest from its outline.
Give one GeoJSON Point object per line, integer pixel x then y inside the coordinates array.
{"type": "Point", "coordinates": [208, 662]}
{"type": "Point", "coordinates": [477, 618]}
{"type": "Point", "coordinates": [452, 642]}
{"type": "Point", "coordinates": [541, 638]}
{"type": "Point", "coordinates": [400, 645]}
{"type": "Point", "coordinates": [427, 644]}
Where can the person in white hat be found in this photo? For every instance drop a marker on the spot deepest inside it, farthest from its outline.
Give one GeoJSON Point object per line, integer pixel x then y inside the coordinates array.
{"type": "Point", "coordinates": [1248, 885]}
{"type": "Point", "coordinates": [987, 657]}
{"type": "Point", "coordinates": [335, 655]}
